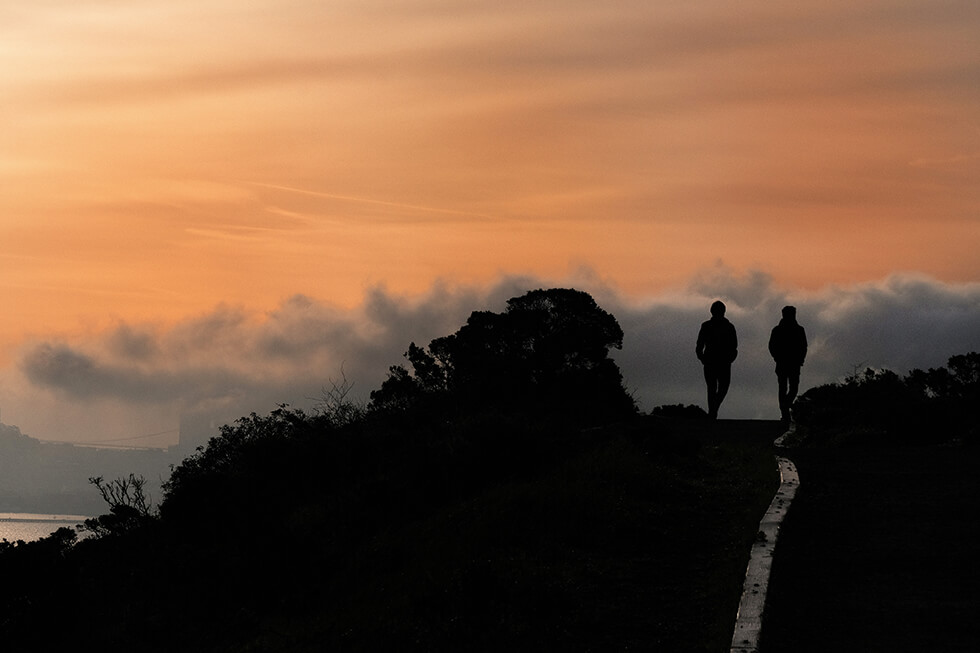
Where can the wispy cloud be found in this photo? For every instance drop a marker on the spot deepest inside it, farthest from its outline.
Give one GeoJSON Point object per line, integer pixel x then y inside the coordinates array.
{"type": "Point", "coordinates": [944, 162]}
{"type": "Point", "coordinates": [425, 213]}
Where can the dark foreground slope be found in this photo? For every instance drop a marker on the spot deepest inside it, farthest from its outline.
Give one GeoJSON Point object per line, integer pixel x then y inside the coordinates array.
{"type": "Point", "coordinates": [879, 551]}
{"type": "Point", "coordinates": [492, 535]}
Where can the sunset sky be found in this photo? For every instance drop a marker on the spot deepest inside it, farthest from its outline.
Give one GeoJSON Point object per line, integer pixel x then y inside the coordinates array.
{"type": "Point", "coordinates": [169, 168]}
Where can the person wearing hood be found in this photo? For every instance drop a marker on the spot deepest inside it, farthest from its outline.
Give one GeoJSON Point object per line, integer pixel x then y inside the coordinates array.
{"type": "Point", "coordinates": [787, 344]}
{"type": "Point", "coordinates": [717, 348]}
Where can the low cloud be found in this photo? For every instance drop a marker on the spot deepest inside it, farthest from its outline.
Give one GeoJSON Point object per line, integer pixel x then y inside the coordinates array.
{"type": "Point", "coordinates": [138, 378]}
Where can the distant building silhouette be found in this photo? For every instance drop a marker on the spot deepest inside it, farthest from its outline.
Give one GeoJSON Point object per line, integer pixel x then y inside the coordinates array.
{"type": "Point", "coordinates": [196, 429]}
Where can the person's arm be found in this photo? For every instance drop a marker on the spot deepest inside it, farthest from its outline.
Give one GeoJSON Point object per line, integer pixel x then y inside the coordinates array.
{"type": "Point", "coordinates": [802, 345]}
{"type": "Point", "coordinates": [734, 344]}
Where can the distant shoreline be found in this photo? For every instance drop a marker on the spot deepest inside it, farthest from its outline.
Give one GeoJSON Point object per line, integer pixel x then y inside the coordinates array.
{"type": "Point", "coordinates": [39, 517]}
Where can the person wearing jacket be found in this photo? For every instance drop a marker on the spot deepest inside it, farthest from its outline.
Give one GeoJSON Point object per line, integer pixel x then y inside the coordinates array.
{"type": "Point", "coordinates": [717, 348]}
{"type": "Point", "coordinates": [787, 344]}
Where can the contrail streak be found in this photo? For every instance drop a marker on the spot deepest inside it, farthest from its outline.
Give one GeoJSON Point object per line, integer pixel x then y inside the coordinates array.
{"type": "Point", "coordinates": [367, 200]}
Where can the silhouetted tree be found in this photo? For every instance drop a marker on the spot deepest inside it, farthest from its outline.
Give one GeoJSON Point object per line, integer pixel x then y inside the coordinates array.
{"type": "Point", "coordinates": [960, 379]}
{"type": "Point", "coordinates": [335, 405]}
{"type": "Point", "coordinates": [549, 350]}
{"type": "Point", "coordinates": [129, 505]}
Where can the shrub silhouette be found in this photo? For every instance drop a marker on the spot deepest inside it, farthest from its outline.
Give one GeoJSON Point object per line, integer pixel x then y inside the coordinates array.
{"type": "Point", "coordinates": [548, 351]}
{"type": "Point", "coordinates": [931, 405]}
{"type": "Point", "coordinates": [689, 411]}
{"type": "Point", "coordinates": [328, 519]}
{"type": "Point", "coordinates": [129, 506]}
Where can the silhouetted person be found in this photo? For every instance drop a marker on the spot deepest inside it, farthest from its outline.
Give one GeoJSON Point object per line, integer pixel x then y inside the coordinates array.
{"type": "Point", "coordinates": [787, 344]}
{"type": "Point", "coordinates": [716, 349]}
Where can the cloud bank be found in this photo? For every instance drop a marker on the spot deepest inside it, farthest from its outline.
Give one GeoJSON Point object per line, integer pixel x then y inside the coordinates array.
{"type": "Point", "coordinates": [136, 379]}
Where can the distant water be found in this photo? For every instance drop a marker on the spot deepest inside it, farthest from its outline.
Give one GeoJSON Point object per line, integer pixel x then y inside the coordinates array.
{"type": "Point", "coordinates": [28, 527]}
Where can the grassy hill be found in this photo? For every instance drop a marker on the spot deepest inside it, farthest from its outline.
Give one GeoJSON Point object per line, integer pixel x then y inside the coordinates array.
{"type": "Point", "coordinates": [491, 534]}
{"type": "Point", "coordinates": [878, 552]}
{"type": "Point", "coordinates": [504, 495]}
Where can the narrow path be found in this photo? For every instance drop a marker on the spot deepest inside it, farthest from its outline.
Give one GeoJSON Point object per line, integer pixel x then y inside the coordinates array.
{"type": "Point", "coordinates": [748, 622]}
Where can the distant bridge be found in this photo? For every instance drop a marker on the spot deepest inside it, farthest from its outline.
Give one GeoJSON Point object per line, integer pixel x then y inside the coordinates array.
{"type": "Point", "coordinates": [115, 443]}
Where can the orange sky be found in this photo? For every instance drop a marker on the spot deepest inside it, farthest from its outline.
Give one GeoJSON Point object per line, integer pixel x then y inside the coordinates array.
{"type": "Point", "coordinates": [158, 158]}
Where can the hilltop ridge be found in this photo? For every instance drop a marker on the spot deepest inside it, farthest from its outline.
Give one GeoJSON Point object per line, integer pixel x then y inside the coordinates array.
{"type": "Point", "coordinates": [486, 534]}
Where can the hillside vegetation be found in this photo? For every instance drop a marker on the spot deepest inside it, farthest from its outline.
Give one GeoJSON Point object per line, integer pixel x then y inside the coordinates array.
{"type": "Point", "coordinates": [880, 407]}
{"type": "Point", "coordinates": [287, 534]}
{"type": "Point", "coordinates": [503, 494]}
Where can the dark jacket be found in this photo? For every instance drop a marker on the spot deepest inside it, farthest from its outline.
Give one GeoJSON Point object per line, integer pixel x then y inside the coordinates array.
{"type": "Point", "coordinates": [787, 344]}
{"type": "Point", "coordinates": [717, 342]}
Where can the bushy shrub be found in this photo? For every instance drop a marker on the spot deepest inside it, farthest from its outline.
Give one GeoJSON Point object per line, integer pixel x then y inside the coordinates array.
{"type": "Point", "coordinates": [681, 411]}
{"type": "Point", "coordinates": [924, 406]}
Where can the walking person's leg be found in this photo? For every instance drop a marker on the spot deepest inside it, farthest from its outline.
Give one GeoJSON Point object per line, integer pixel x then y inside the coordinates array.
{"type": "Point", "coordinates": [711, 380]}
{"type": "Point", "coordinates": [784, 400]}
{"type": "Point", "coordinates": [793, 387]}
{"type": "Point", "coordinates": [724, 381]}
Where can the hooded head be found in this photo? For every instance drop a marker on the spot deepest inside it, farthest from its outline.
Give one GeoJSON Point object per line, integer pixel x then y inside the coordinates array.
{"type": "Point", "coordinates": [789, 313]}
{"type": "Point", "coordinates": [718, 309]}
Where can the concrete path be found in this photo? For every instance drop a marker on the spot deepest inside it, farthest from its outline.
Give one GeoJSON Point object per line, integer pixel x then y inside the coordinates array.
{"type": "Point", "coordinates": [748, 622]}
